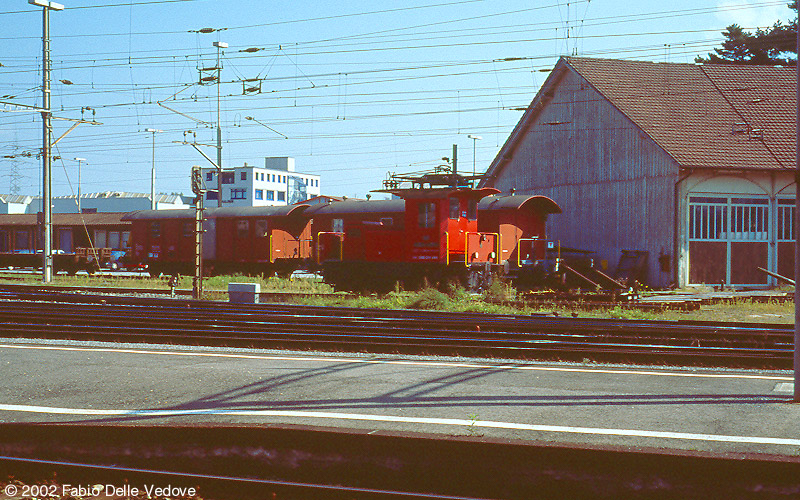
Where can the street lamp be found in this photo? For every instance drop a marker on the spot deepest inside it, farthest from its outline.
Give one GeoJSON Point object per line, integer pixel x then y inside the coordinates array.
{"type": "Point", "coordinates": [79, 160]}
{"type": "Point", "coordinates": [47, 4]}
{"type": "Point", "coordinates": [154, 131]}
{"type": "Point", "coordinates": [47, 243]}
{"type": "Point", "coordinates": [475, 139]}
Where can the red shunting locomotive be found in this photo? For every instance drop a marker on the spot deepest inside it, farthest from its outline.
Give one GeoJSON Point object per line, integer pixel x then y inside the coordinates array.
{"type": "Point", "coordinates": [437, 230]}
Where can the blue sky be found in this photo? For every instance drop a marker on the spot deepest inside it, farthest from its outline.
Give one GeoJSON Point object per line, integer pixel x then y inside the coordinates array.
{"type": "Point", "coordinates": [350, 89]}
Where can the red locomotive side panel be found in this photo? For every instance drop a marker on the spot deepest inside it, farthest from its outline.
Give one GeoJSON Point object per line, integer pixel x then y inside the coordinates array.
{"type": "Point", "coordinates": [426, 223]}
{"type": "Point", "coordinates": [383, 243]}
{"type": "Point", "coordinates": [520, 221]}
{"type": "Point", "coordinates": [441, 223]}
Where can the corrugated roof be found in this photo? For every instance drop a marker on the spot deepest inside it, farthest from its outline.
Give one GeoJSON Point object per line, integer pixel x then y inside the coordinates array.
{"type": "Point", "coordinates": [160, 197]}
{"type": "Point", "coordinates": [96, 219]}
{"type": "Point", "coordinates": [703, 116]}
{"type": "Point", "coordinates": [15, 198]}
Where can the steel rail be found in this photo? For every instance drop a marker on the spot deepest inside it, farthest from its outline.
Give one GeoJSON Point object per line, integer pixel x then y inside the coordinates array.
{"type": "Point", "coordinates": [394, 331]}
{"type": "Point", "coordinates": [220, 482]}
{"type": "Point", "coordinates": [508, 321]}
{"type": "Point", "coordinates": [278, 321]}
{"type": "Point", "coordinates": [248, 316]}
{"type": "Point", "coordinates": [94, 315]}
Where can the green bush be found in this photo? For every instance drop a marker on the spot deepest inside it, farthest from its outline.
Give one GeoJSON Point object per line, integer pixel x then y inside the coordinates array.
{"type": "Point", "coordinates": [431, 299]}
{"type": "Point", "coordinates": [500, 291]}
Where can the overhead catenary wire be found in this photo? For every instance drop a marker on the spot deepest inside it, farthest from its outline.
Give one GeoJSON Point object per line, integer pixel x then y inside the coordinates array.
{"type": "Point", "coordinates": [366, 86]}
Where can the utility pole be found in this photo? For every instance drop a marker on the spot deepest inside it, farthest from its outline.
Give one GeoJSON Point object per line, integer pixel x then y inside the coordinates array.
{"type": "Point", "coordinates": [154, 131]}
{"type": "Point", "coordinates": [455, 165]}
{"type": "Point", "coordinates": [197, 188]}
{"type": "Point", "coordinates": [219, 45]}
{"type": "Point", "coordinates": [475, 139]}
{"type": "Point", "coordinates": [79, 160]}
{"type": "Point", "coordinates": [797, 236]}
{"type": "Point", "coordinates": [47, 131]}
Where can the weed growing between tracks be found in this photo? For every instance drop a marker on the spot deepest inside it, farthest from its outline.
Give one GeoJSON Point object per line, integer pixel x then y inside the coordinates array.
{"type": "Point", "coordinates": [499, 298]}
{"type": "Point", "coordinates": [458, 300]}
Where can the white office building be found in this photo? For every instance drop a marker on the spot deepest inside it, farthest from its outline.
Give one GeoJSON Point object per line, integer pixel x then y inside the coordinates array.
{"type": "Point", "coordinates": [277, 183]}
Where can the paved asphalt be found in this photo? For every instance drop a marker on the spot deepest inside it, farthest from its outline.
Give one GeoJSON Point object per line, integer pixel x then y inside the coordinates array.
{"type": "Point", "coordinates": [599, 405]}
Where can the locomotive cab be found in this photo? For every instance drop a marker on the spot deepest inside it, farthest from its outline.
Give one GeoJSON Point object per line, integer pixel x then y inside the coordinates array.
{"type": "Point", "coordinates": [441, 241]}
{"type": "Point", "coordinates": [442, 226]}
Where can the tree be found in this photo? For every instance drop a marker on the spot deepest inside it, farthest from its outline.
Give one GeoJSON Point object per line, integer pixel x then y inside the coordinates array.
{"type": "Point", "coordinates": [770, 46]}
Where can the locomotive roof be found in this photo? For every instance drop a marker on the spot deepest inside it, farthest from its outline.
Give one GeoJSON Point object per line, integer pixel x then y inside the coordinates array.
{"type": "Point", "coordinates": [518, 201]}
{"type": "Point", "coordinates": [357, 206]}
{"type": "Point", "coordinates": [213, 213]}
{"type": "Point", "coordinates": [436, 193]}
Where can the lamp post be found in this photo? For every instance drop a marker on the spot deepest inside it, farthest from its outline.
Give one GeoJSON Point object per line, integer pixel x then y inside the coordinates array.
{"type": "Point", "coordinates": [79, 160]}
{"type": "Point", "coordinates": [154, 131]}
{"type": "Point", "coordinates": [47, 251]}
{"type": "Point", "coordinates": [219, 45]}
{"type": "Point", "coordinates": [475, 139]}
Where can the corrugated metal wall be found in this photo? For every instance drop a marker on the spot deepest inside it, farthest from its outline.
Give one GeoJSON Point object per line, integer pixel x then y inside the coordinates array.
{"type": "Point", "coordinates": [615, 185]}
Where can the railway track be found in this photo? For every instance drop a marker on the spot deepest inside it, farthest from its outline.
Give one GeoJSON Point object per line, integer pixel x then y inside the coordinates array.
{"type": "Point", "coordinates": [133, 481]}
{"type": "Point", "coordinates": [34, 314]}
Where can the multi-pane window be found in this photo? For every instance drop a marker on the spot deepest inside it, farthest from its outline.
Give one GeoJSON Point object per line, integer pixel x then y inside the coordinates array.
{"type": "Point", "coordinates": [227, 177]}
{"type": "Point", "coordinates": [259, 194]}
{"type": "Point", "coordinates": [281, 196]}
{"type": "Point", "coordinates": [270, 195]}
{"type": "Point", "coordinates": [708, 218]}
{"type": "Point", "coordinates": [337, 226]}
{"type": "Point", "coordinates": [749, 219]}
{"type": "Point", "coordinates": [113, 239]}
{"type": "Point", "coordinates": [455, 207]}
{"type": "Point", "coordinates": [21, 240]}
{"type": "Point", "coordinates": [786, 220]}
{"type": "Point", "coordinates": [262, 227]}
{"type": "Point", "coordinates": [723, 219]}
{"type": "Point", "coordinates": [100, 239]}
{"type": "Point", "coordinates": [242, 228]}
{"type": "Point", "coordinates": [238, 194]}
{"type": "Point", "coordinates": [472, 209]}
{"type": "Point", "coordinates": [426, 216]}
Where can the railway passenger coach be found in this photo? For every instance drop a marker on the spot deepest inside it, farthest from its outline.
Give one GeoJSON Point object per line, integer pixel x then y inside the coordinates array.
{"type": "Point", "coordinates": [248, 240]}
{"type": "Point", "coordinates": [85, 241]}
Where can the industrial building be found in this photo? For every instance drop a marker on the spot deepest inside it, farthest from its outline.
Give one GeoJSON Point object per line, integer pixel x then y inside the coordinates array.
{"type": "Point", "coordinates": [103, 202]}
{"type": "Point", "coordinates": [691, 164]}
